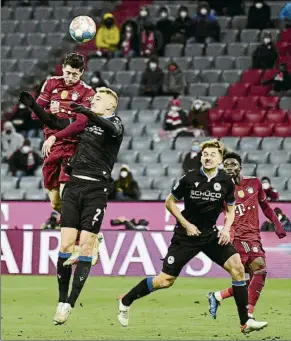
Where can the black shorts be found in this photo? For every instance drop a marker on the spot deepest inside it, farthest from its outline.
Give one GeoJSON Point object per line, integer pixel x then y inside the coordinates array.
{"type": "Point", "coordinates": [83, 204]}
{"type": "Point", "coordinates": [183, 248]}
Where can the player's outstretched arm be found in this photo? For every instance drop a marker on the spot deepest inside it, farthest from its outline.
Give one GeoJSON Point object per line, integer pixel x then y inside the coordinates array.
{"type": "Point", "coordinates": [73, 129]}
{"type": "Point", "coordinates": [114, 128]}
{"type": "Point", "coordinates": [50, 120]}
{"type": "Point", "coordinates": [270, 214]}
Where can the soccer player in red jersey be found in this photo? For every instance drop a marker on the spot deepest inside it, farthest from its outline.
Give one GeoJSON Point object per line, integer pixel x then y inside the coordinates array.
{"type": "Point", "coordinates": [57, 94]}
{"type": "Point", "coordinates": [245, 232]}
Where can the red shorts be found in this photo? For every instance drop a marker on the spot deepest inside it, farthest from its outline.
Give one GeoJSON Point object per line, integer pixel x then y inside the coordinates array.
{"type": "Point", "coordinates": [249, 250]}
{"type": "Point", "coordinates": [53, 169]}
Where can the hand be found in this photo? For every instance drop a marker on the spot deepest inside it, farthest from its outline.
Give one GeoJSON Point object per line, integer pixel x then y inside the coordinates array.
{"type": "Point", "coordinates": [224, 236]}
{"type": "Point", "coordinates": [55, 107]}
{"type": "Point", "coordinates": [191, 230]}
{"type": "Point", "coordinates": [46, 148]}
{"type": "Point", "coordinates": [280, 232]}
{"type": "Point", "coordinates": [26, 99]}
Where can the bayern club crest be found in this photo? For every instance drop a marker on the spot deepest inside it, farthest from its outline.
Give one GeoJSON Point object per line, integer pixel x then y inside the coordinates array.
{"type": "Point", "coordinates": [250, 190]}
{"type": "Point", "coordinates": [75, 96]}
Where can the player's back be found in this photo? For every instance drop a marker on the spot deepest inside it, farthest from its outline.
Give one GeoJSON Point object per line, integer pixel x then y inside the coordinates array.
{"type": "Point", "coordinates": [248, 194]}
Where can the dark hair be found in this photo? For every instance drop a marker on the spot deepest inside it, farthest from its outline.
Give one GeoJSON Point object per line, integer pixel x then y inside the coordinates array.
{"type": "Point", "coordinates": [266, 178]}
{"type": "Point", "coordinates": [75, 60]}
{"type": "Point", "coordinates": [278, 210]}
{"type": "Point", "coordinates": [232, 155]}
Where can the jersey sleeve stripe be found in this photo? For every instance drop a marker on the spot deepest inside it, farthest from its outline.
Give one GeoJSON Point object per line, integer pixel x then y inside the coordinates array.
{"type": "Point", "coordinates": [174, 196]}
{"type": "Point", "coordinates": [43, 99]}
{"type": "Point", "coordinates": [230, 203]}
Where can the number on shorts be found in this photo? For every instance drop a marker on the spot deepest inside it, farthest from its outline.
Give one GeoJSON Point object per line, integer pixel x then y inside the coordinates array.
{"type": "Point", "coordinates": [96, 216]}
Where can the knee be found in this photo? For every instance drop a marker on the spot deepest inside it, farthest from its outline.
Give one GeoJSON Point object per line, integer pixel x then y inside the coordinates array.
{"type": "Point", "coordinates": [67, 246]}
{"type": "Point", "coordinates": [163, 283]}
{"type": "Point", "coordinates": [237, 271]}
{"type": "Point", "coordinates": [86, 248]}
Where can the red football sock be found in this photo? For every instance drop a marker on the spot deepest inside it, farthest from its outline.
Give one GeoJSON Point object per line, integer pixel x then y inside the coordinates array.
{"type": "Point", "coordinates": [256, 285]}
{"type": "Point", "coordinates": [226, 293]}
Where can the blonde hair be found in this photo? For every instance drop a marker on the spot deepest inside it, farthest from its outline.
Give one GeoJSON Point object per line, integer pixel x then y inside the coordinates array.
{"type": "Point", "coordinates": [213, 144]}
{"type": "Point", "coordinates": [109, 92]}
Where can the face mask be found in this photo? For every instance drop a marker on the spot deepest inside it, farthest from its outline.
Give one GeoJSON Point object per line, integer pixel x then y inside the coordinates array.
{"type": "Point", "coordinates": [108, 23]}
{"type": "Point", "coordinates": [203, 11]}
{"type": "Point", "coordinates": [183, 14]}
{"type": "Point", "coordinates": [175, 108]}
{"type": "Point", "coordinates": [280, 216]}
{"type": "Point", "coordinates": [153, 66]}
{"type": "Point", "coordinates": [21, 106]}
{"type": "Point", "coordinates": [172, 68]}
{"type": "Point", "coordinates": [267, 40]}
{"type": "Point", "coordinates": [8, 131]}
{"type": "Point", "coordinates": [197, 106]}
{"type": "Point", "coordinates": [195, 149]}
{"type": "Point", "coordinates": [143, 13]}
{"type": "Point", "coordinates": [163, 14]}
{"type": "Point", "coordinates": [265, 185]}
{"type": "Point", "coordinates": [25, 149]}
{"type": "Point", "coordinates": [259, 5]}
{"type": "Point", "coordinates": [123, 174]}
{"type": "Point", "coordinates": [95, 80]}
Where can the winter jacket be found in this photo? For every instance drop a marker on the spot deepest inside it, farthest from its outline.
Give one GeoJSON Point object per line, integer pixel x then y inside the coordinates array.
{"type": "Point", "coordinates": [174, 83]}
{"type": "Point", "coordinates": [10, 142]}
{"type": "Point", "coordinates": [259, 18]}
{"type": "Point", "coordinates": [107, 38]}
{"type": "Point", "coordinates": [134, 40]}
{"type": "Point", "coordinates": [152, 81]}
{"type": "Point", "coordinates": [26, 162]}
{"type": "Point", "coordinates": [281, 82]}
{"type": "Point", "coordinates": [265, 56]}
{"type": "Point", "coordinates": [128, 185]}
{"type": "Point", "coordinates": [166, 27]}
{"type": "Point", "coordinates": [205, 27]}
{"type": "Point", "coordinates": [286, 11]}
{"type": "Point", "coordinates": [192, 161]}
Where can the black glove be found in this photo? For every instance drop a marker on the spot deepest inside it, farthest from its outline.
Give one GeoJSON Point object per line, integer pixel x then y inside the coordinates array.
{"type": "Point", "coordinates": [26, 99]}
{"type": "Point", "coordinates": [80, 109]}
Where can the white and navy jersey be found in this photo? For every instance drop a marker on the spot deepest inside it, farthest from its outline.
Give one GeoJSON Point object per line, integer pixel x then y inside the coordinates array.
{"type": "Point", "coordinates": [204, 197]}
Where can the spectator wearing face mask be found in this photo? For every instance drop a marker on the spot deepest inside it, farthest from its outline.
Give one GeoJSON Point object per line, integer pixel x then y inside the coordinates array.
{"type": "Point", "coordinates": [97, 81]}
{"type": "Point", "coordinates": [284, 220]}
{"type": "Point", "coordinates": [152, 79]}
{"type": "Point", "coordinates": [151, 41]}
{"type": "Point", "coordinates": [129, 40]}
{"type": "Point", "coordinates": [182, 26]}
{"type": "Point", "coordinates": [285, 14]}
{"type": "Point", "coordinates": [125, 187]}
{"type": "Point", "coordinates": [271, 192]}
{"type": "Point", "coordinates": [265, 55]}
{"type": "Point", "coordinates": [281, 82]}
{"type": "Point", "coordinates": [259, 16]}
{"type": "Point", "coordinates": [165, 25]}
{"type": "Point", "coordinates": [175, 82]}
{"type": "Point", "coordinates": [198, 115]}
{"type": "Point", "coordinates": [24, 161]}
{"type": "Point", "coordinates": [143, 18]}
{"type": "Point", "coordinates": [108, 36]}
{"type": "Point", "coordinates": [10, 140]}
{"type": "Point", "coordinates": [229, 8]}
{"type": "Point", "coordinates": [192, 159]}
{"type": "Point", "coordinates": [175, 117]}
{"type": "Point", "coordinates": [205, 27]}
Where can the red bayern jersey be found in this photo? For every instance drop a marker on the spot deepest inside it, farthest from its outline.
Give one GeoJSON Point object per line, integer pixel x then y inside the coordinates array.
{"type": "Point", "coordinates": [55, 89]}
{"type": "Point", "coordinates": [249, 194]}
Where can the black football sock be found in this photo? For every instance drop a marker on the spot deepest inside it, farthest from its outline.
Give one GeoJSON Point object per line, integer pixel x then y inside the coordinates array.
{"type": "Point", "coordinates": [240, 293]}
{"type": "Point", "coordinates": [144, 288]}
{"type": "Point", "coordinates": [80, 276]}
{"type": "Point", "coordinates": [64, 275]}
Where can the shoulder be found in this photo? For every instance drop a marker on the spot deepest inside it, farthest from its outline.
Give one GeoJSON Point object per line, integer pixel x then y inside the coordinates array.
{"type": "Point", "coordinates": [115, 119]}
{"type": "Point", "coordinates": [54, 80]}
{"type": "Point", "coordinates": [252, 181]}
{"type": "Point", "coordinates": [222, 176]}
{"type": "Point", "coordinates": [191, 174]}
{"type": "Point", "coordinates": [85, 86]}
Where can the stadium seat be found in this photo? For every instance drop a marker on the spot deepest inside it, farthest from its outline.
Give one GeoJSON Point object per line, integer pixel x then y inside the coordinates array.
{"type": "Point", "coordinates": [229, 36]}
{"type": "Point", "coordinates": [128, 158]}
{"type": "Point", "coordinates": [9, 26]}
{"type": "Point", "coordinates": [184, 63]}
{"type": "Point", "coordinates": [259, 90]}
{"type": "Point", "coordinates": [62, 13]}
{"type": "Point", "coordinates": [241, 129]}
{"type": "Point", "coordinates": [224, 62]}
{"type": "Point", "coordinates": [269, 102]}
{"type": "Point", "coordinates": [255, 116]}
{"type": "Point", "coordinates": [198, 89]}
{"type": "Point", "coordinates": [148, 157]}
{"type": "Point", "coordinates": [173, 50]}
{"type": "Point", "coordinates": [269, 171]}
{"type": "Point", "coordinates": [131, 90]}
{"type": "Point", "coordinates": [192, 76]}
{"type": "Point", "coordinates": [252, 76]}
{"type": "Point", "coordinates": [124, 77]}
{"type": "Point", "coordinates": [215, 115]}
{"type": "Point", "coordinates": [36, 194]}
{"type": "Point", "coordinates": [107, 75]}
{"type": "Point", "coordinates": [150, 194]}
{"type": "Point", "coordinates": [8, 65]}
{"type": "Point", "coordinates": [272, 143]}
{"type": "Point", "coordinates": [269, 73]}
{"type": "Point", "coordinates": [249, 35]}
{"type": "Point", "coordinates": [230, 142]}
{"type": "Point", "coordinates": [276, 116]}
{"type": "Point", "coordinates": [280, 156]}
{"type": "Point", "coordinates": [280, 184]}
{"type": "Point", "coordinates": [137, 64]}
{"type": "Point", "coordinates": [247, 103]}
{"type": "Point", "coordinates": [224, 22]}
{"type": "Point", "coordinates": [193, 50]}
{"type": "Point", "coordinates": [284, 170]}
{"type": "Point", "coordinates": [186, 102]}
{"type": "Point", "coordinates": [27, 66]}
{"type": "Point", "coordinates": [13, 79]}
{"type": "Point", "coordinates": [250, 143]}
{"type": "Point", "coordinates": [251, 48]}
{"type": "Point", "coordinates": [23, 13]}
{"type": "Point", "coordinates": [211, 76]}
{"type": "Point", "coordinates": [44, 13]}
{"type": "Point", "coordinates": [202, 63]}
{"type": "Point", "coordinates": [123, 103]}
{"type": "Point", "coordinates": [287, 144]}
{"type": "Point", "coordinates": [263, 129]}
{"type": "Point", "coordinates": [220, 130]}
{"type": "Point", "coordinates": [231, 76]}
{"type": "Point", "coordinates": [226, 103]}
{"type": "Point", "coordinates": [236, 49]}
{"type": "Point", "coordinates": [238, 90]}
{"type": "Point", "coordinates": [13, 194]}
{"type": "Point", "coordinates": [233, 116]}
{"type": "Point", "coordinates": [139, 103]}
{"type": "Point", "coordinates": [40, 52]}
{"type": "Point", "coordinates": [243, 62]}
{"type": "Point", "coordinates": [15, 39]}
{"type": "Point", "coordinates": [258, 157]}
{"type": "Point", "coordinates": [183, 144]}
{"type": "Point", "coordinates": [285, 103]}
{"type": "Point", "coordinates": [283, 130]}
{"type": "Point", "coordinates": [117, 64]}
{"type": "Point", "coordinates": [27, 26]}
{"type": "Point", "coordinates": [161, 102]}
{"type": "Point", "coordinates": [215, 49]}
{"type": "Point", "coordinates": [249, 169]}
{"type": "Point", "coordinates": [155, 171]}
{"type": "Point", "coordinates": [239, 22]}
{"type": "Point", "coordinates": [174, 172]}
{"type": "Point", "coordinates": [285, 196]}
{"type": "Point", "coordinates": [96, 64]}
{"type": "Point", "coordinates": [286, 35]}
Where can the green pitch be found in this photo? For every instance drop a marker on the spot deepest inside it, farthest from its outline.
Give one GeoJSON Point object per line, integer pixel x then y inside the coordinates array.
{"type": "Point", "coordinates": [181, 312]}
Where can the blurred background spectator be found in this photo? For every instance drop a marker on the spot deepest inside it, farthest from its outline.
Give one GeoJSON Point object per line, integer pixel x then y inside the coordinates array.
{"type": "Point", "coordinates": [182, 26]}
{"type": "Point", "coordinates": [152, 79]}
{"type": "Point", "coordinates": [97, 81]}
{"type": "Point", "coordinates": [107, 37]}
{"type": "Point", "coordinates": [24, 161]}
{"type": "Point", "coordinates": [10, 141]}
{"type": "Point", "coordinates": [125, 187]}
{"type": "Point", "coordinates": [227, 7]}
{"type": "Point", "coordinates": [281, 82]}
{"type": "Point", "coordinates": [165, 25]}
{"type": "Point", "coordinates": [271, 192]}
{"type": "Point", "coordinates": [192, 159]}
{"type": "Point", "coordinates": [175, 116]}
{"type": "Point", "coordinates": [174, 82]}
{"type": "Point", "coordinates": [129, 40]}
{"type": "Point", "coordinates": [143, 18]}
{"type": "Point", "coordinates": [285, 14]}
{"type": "Point", "coordinates": [284, 220]}
{"type": "Point", "coordinates": [52, 223]}
{"type": "Point", "coordinates": [265, 55]}
{"type": "Point", "coordinates": [259, 16]}
{"type": "Point", "coordinates": [198, 115]}
{"type": "Point", "coordinates": [151, 40]}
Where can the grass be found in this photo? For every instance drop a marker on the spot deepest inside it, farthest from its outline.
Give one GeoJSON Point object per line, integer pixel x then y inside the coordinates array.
{"type": "Point", "coordinates": [181, 312]}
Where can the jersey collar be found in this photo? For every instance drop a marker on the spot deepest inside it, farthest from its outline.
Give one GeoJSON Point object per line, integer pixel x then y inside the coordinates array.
{"type": "Point", "coordinates": [204, 174]}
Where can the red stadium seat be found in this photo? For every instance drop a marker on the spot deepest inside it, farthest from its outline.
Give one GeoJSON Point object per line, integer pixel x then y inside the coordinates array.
{"type": "Point", "coordinates": [284, 59]}
{"type": "Point", "coordinates": [247, 103]}
{"type": "Point", "coordinates": [276, 116]}
{"type": "Point", "coordinates": [288, 116]}
{"type": "Point", "coordinates": [238, 89]}
{"type": "Point", "coordinates": [226, 103]}
{"type": "Point", "coordinates": [282, 130]}
{"type": "Point", "coordinates": [241, 129]}
{"type": "Point", "coordinates": [215, 115]}
{"type": "Point", "coordinates": [233, 116]}
{"type": "Point", "coordinates": [263, 129]}
{"type": "Point", "coordinates": [269, 102]}
{"type": "Point", "coordinates": [220, 130]}
{"type": "Point", "coordinates": [283, 48]}
{"type": "Point", "coordinates": [270, 73]}
{"type": "Point", "coordinates": [255, 116]}
{"type": "Point", "coordinates": [286, 35]}
{"type": "Point", "coordinates": [252, 76]}
{"type": "Point", "coordinates": [259, 90]}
